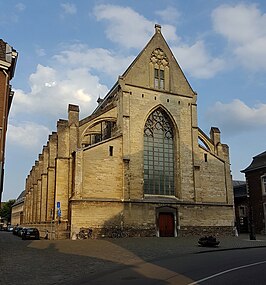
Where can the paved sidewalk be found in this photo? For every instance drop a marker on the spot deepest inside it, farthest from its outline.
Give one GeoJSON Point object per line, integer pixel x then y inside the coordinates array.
{"type": "Point", "coordinates": [240, 242]}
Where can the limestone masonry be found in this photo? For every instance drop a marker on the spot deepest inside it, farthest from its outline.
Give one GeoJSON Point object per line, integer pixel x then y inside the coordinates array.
{"type": "Point", "coordinates": [139, 164]}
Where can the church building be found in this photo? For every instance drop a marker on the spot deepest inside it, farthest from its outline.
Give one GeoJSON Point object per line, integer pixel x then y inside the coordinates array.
{"type": "Point", "coordinates": [139, 164]}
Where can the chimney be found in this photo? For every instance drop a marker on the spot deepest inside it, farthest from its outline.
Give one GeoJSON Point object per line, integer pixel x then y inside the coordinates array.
{"type": "Point", "coordinates": [73, 114]}
{"type": "Point", "coordinates": [215, 135]}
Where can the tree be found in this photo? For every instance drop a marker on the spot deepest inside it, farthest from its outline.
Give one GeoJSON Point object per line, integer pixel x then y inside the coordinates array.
{"type": "Point", "coordinates": [5, 211]}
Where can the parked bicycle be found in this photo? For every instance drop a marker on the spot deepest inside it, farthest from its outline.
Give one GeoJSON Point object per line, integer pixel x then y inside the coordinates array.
{"type": "Point", "coordinates": [84, 234]}
{"type": "Point", "coordinates": [118, 233]}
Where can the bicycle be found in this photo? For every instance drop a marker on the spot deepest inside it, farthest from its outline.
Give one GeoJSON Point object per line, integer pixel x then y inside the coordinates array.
{"type": "Point", "coordinates": [84, 234]}
{"type": "Point", "coordinates": [118, 233]}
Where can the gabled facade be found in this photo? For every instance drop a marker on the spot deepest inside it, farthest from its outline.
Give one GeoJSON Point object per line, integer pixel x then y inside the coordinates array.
{"type": "Point", "coordinates": [255, 175]}
{"type": "Point", "coordinates": [139, 162]}
{"type": "Point", "coordinates": [242, 207]}
{"type": "Point", "coordinates": [8, 58]}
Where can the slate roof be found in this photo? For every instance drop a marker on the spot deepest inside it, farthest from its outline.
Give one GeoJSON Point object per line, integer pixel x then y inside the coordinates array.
{"type": "Point", "coordinates": [20, 198]}
{"type": "Point", "coordinates": [258, 162]}
{"type": "Point", "coordinates": [240, 189]}
{"type": "Point", "coordinates": [238, 183]}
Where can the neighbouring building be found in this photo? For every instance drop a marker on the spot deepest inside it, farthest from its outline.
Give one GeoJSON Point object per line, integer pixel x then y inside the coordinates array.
{"type": "Point", "coordinates": [8, 58]}
{"type": "Point", "coordinates": [255, 175]}
{"type": "Point", "coordinates": [138, 163]}
{"type": "Point", "coordinates": [17, 210]}
{"type": "Point", "coordinates": [241, 201]}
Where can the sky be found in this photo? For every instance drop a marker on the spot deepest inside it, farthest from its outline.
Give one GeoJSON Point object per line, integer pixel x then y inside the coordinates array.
{"type": "Point", "coordinates": [72, 52]}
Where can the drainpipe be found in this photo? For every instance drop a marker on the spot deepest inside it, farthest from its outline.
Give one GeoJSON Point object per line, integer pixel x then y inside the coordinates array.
{"type": "Point", "coordinates": [252, 233]}
{"type": "Point", "coordinates": [2, 142]}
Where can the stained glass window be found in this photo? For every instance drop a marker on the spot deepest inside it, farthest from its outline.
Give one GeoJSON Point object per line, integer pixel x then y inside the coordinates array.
{"type": "Point", "coordinates": [158, 154]}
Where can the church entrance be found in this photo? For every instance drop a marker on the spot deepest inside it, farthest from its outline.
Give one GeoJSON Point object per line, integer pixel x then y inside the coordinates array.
{"type": "Point", "coordinates": [166, 225]}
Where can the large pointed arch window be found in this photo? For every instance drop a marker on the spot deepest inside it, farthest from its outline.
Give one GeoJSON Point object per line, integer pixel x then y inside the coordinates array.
{"type": "Point", "coordinates": [158, 154]}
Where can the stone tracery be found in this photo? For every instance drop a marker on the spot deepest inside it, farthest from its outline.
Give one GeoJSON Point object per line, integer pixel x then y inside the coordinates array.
{"type": "Point", "coordinates": [159, 57]}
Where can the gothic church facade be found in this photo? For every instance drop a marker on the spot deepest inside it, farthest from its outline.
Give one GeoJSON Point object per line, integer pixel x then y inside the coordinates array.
{"type": "Point", "coordinates": [138, 163]}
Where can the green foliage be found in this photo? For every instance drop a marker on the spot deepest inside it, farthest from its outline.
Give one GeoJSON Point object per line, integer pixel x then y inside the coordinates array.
{"type": "Point", "coordinates": [5, 211]}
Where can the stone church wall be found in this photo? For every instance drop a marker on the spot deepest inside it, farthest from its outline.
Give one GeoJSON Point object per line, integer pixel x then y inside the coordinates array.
{"type": "Point", "coordinates": [102, 170]}
{"type": "Point", "coordinates": [95, 166]}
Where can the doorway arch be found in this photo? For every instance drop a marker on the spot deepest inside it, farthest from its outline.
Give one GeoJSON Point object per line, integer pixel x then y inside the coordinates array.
{"type": "Point", "coordinates": [166, 222]}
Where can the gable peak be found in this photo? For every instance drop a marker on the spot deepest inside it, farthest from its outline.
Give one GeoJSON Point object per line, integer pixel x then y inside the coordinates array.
{"type": "Point", "coordinates": [157, 28]}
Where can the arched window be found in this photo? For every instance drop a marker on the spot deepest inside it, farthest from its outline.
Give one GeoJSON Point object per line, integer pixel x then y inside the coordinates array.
{"type": "Point", "coordinates": [158, 154]}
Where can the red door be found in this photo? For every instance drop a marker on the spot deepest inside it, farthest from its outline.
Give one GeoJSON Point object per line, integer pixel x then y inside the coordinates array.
{"type": "Point", "coordinates": [166, 225]}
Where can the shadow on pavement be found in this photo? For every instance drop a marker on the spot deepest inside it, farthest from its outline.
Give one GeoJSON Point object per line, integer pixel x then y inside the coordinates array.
{"type": "Point", "coordinates": [70, 262]}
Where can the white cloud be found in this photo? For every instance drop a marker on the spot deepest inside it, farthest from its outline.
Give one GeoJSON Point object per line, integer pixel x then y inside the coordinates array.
{"type": "Point", "coordinates": [169, 15]}
{"type": "Point", "coordinates": [236, 117]}
{"type": "Point", "coordinates": [40, 51]}
{"type": "Point", "coordinates": [126, 27]}
{"type": "Point", "coordinates": [52, 89]}
{"type": "Point", "coordinates": [69, 8]}
{"type": "Point", "coordinates": [130, 34]}
{"type": "Point", "coordinates": [169, 32]}
{"type": "Point", "coordinates": [20, 7]}
{"type": "Point", "coordinates": [28, 135]}
{"type": "Point", "coordinates": [98, 59]}
{"type": "Point", "coordinates": [244, 27]}
{"type": "Point", "coordinates": [196, 60]}
{"type": "Point", "coordinates": [136, 33]}
{"type": "Point", "coordinates": [70, 79]}
{"type": "Point", "coordinates": [11, 14]}
{"type": "Point", "coordinates": [253, 54]}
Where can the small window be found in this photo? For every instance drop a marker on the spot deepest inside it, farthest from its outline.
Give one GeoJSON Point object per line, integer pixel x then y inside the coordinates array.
{"type": "Point", "coordinates": [161, 79]}
{"type": "Point", "coordinates": [264, 208]}
{"type": "Point", "coordinates": [111, 150]}
{"type": "Point", "coordinates": [205, 157]}
{"type": "Point", "coordinates": [158, 78]}
{"type": "Point", "coordinates": [97, 138]}
{"type": "Point", "coordinates": [263, 182]}
{"type": "Point", "coordinates": [242, 211]}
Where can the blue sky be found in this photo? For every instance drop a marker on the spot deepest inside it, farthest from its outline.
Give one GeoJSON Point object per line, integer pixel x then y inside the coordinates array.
{"type": "Point", "coordinates": [73, 52]}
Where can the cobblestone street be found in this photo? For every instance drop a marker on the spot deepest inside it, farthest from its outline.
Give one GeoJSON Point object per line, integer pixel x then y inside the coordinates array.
{"type": "Point", "coordinates": [67, 262]}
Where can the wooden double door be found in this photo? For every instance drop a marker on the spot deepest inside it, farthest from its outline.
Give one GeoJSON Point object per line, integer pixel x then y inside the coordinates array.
{"type": "Point", "coordinates": [166, 225]}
